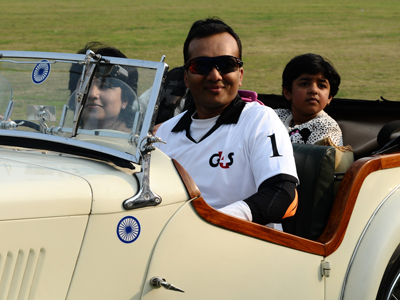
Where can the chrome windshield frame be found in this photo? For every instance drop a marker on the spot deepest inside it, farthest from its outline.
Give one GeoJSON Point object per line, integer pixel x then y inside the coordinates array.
{"type": "Point", "coordinates": [149, 117]}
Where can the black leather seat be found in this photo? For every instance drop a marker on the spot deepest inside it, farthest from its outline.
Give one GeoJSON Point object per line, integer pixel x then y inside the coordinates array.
{"type": "Point", "coordinates": [316, 171]}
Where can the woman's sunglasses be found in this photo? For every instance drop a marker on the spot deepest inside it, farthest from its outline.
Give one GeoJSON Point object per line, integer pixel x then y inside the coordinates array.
{"type": "Point", "coordinates": [203, 65]}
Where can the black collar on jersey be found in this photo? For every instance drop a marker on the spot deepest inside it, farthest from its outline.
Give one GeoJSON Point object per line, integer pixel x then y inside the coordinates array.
{"type": "Point", "coordinates": [230, 115]}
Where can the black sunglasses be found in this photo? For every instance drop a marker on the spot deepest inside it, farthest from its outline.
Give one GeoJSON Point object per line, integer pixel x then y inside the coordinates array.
{"type": "Point", "coordinates": [203, 65]}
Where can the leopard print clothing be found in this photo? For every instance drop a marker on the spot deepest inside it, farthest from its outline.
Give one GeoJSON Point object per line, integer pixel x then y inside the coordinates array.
{"type": "Point", "coordinates": [316, 129]}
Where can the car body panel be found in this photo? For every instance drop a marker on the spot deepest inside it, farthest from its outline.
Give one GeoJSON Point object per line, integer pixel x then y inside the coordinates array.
{"type": "Point", "coordinates": [85, 177]}
{"type": "Point", "coordinates": [41, 194]}
{"type": "Point", "coordinates": [170, 187]}
{"type": "Point", "coordinates": [368, 200]}
{"type": "Point", "coordinates": [378, 242]}
{"type": "Point", "coordinates": [111, 269]}
{"type": "Point", "coordinates": [39, 257]}
{"type": "Point", "coordinates": [207, 260]}
{"type": "Point", "coordinates": [85, 180]}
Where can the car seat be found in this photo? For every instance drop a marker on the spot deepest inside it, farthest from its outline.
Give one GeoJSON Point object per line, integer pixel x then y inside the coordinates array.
{"type": "Point", "coordinates": [320, 169]}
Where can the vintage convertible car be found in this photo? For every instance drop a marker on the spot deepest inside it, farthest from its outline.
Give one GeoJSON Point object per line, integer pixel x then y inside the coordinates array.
{"type": "Point", "coordinates": [89, 212]}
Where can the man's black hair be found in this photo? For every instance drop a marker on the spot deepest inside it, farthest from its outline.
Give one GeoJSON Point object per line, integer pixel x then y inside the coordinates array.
{"type": "Point", "coordinates": [310, 64]}
{"type": "Point", "coordinates": [207, 27]}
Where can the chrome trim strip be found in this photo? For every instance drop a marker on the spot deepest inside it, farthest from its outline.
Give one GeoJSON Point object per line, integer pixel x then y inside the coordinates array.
{"type": "Point", "coordinates": [42, 55]}
{"type": "Point", "coordinates": [361, 238]}
{"type": "Point", "coordinates": [77, 58]}
{"type": "Point", "coordinates": [153, 102]}
{"type": "Point", "coordinates": [394, 284]}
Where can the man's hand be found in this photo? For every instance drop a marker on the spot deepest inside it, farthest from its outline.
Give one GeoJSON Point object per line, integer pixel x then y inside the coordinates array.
{"type": "Point", "coordinates": [238, 209]}
{"type": "Point", "coordinates": [155, 128]}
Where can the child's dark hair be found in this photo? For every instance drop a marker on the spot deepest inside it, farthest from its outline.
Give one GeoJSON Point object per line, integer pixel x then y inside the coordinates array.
{"type": "Point", "coordinates": [310, 64]}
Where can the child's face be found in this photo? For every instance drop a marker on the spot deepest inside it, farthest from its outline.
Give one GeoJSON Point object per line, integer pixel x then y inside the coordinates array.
{"type": "Point", "coordinates": [309, 95]}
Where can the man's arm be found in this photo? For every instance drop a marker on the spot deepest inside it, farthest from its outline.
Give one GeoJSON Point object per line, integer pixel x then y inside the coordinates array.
{"type": "Point", "coordinates": [273, 202]}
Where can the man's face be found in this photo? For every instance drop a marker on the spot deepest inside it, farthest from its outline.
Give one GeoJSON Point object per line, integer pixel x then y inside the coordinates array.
{"type": "Point", "coordinates": [213, 92]}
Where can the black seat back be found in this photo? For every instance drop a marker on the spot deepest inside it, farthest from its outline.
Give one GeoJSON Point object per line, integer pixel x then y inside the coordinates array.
{"type": "Point", "coordinates": [316, 171]}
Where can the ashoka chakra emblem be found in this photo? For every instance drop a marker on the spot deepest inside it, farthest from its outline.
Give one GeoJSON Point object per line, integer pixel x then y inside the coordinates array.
{"type": "Point", "coordinates": [128, 229]}
{"type": "Point", "coordinates": [40, 72]}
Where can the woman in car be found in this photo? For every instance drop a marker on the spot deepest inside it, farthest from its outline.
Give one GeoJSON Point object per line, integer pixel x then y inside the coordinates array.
{"type": "Point", "coordinates": [112, 99]}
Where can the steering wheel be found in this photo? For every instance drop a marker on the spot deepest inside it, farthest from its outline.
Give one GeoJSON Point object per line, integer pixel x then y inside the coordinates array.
{"type": "Point", "coordinates": [29, 124]}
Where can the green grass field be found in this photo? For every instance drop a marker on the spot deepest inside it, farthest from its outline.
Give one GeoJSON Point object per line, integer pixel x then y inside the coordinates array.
{"type": "Point", "coordinates": [361, 38]}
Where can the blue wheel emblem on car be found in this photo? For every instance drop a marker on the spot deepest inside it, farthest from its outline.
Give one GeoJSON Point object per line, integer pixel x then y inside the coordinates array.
{"type": "Point", "coordinates": [128, 229]}
{"type": "Point", "coordinates": [41, 71]}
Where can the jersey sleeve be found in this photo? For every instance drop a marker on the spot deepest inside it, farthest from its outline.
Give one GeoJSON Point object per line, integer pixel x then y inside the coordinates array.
{"type": "Point", "coordinates": [269, 147]}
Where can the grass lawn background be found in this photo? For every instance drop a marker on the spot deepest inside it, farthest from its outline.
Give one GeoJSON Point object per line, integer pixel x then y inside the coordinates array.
{"type": "Point", "coordinates": [361, 38]}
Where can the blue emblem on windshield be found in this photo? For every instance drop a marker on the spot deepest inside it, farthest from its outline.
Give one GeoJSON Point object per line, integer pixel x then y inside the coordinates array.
{"type": "Point", "coordinates": [40, 72]}
{"type": "Point", "coordinates": [128, 229]}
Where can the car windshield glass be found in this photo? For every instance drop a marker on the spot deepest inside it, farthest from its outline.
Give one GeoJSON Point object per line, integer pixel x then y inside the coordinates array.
{"type": "Point", "coordinates": [107, 106]}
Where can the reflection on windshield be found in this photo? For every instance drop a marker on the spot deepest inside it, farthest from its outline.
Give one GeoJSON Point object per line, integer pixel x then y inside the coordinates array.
{"type": "Point", "coordinates": [113, 111]}
{"type": "Point", "coordinates": [5, 90]}
{"type": "Point", "coordinates": [109, 105]}
{"type": "Point", "coordinates": [112, 98]}
{"type": "Point", "coordinates": [5, 95]}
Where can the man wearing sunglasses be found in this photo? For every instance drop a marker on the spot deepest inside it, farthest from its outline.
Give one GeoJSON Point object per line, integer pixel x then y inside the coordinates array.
{"type": "Point", "coordinates": [238, 153]}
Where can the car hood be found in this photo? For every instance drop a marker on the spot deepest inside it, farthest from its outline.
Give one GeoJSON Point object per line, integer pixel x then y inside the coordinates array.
{"type": "Point", "coordinates": [58, 185]}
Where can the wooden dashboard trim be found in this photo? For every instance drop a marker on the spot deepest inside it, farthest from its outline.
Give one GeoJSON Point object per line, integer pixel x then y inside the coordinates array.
{"type": "Point", "coordinates": [191, 186]}
{"type": "Point", "coordinates": [338, 221]}
{"type": "Point", "coordinates": [347, 195]}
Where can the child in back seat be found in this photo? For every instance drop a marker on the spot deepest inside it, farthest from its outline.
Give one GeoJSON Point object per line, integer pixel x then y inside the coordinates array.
{"type": "Point", "coordinates": [309, 82]}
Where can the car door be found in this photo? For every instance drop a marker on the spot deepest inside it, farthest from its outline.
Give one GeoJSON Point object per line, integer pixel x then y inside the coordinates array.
{"type": "Point", "coordinates": [209, 262]}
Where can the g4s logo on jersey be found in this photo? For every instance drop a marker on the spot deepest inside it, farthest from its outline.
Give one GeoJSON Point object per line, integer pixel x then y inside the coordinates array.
{"type": "Point", "coordinates": [218, 159]}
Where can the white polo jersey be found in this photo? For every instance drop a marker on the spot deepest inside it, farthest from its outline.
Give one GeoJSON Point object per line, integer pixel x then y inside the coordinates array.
{"type": "Point", "coordinates": [251, 145]}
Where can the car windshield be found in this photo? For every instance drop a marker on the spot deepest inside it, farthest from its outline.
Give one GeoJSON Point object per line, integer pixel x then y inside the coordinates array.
{"type": "Point", "coordinates": [86, 101]}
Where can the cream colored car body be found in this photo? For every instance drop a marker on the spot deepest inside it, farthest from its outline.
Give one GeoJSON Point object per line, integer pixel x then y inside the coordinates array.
{"type": "Point", "coordinates": [60, 216]}
{"type": "Point", "coordinates": [61, 243]}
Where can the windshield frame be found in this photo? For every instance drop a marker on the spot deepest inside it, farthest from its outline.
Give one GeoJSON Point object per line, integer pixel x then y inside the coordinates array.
{"type": "Point", "coordinates": [24, 138]}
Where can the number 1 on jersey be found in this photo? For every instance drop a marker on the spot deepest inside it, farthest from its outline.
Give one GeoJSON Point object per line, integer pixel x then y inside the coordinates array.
{"type": "Point", "coordinates": [274, 147]}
